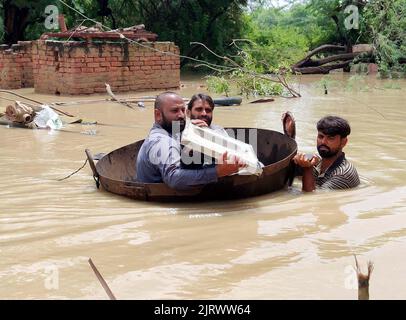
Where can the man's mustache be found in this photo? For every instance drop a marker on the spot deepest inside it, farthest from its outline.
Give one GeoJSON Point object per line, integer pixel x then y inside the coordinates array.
{"type": "Point", "coordinates": [324, 146]}
{"type": "Point", "coordinates": [205, 119]}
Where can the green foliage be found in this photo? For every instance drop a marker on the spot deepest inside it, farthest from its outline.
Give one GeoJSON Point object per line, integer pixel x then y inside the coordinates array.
{"type": "Point", "coordinates": [382, 23]}
{"type": "Point", "coordinates": [246, 84]}
{"type": "Point", "coordinates": [279, 37]}
{"type": "Point", "coordinates": [212, 22]}
{"type": "Point", "coordinates": [278, 45]}
{"type": "Point", "coordinates": [273, 43]}
{"type": "Point", "coordinates": [332, 14]}
{"type": "Point", "coordinates": [284, 36]}
{"type": "Point", "coordinates": [252, 85]}
{"type": "Point", "coordinates": [386, 28]}
{"type": "Point", "coordinates": [218, 85]}
{"type": "Point", "coordinates": [33, 24]}
{"type": "Point", "coordinates": [249, 80]}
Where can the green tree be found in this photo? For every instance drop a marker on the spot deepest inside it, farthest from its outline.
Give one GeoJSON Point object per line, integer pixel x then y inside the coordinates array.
{"type": "Point", "coordinates": [282, 36]}
{"type": "Point", "coordinates": [18, 15]}
{"type": "Point", "coordinates": [212, 22]}
{"type": "Point", "coordinates": [24, 19]}
{"type": "Point", "coordinates": [386, 30]}
{"type": "Point", "coordinates": [382, 24]}
{"type": "Point", "coordinates": [333, 12]}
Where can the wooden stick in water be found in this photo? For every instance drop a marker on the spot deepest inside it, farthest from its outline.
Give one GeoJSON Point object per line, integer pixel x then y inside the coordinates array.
{"type": "Point", "coordinates": [35, 101]}
{"type": "Point", "coordinates": [134, 100]}
{"type": "Point", "coordinates": [21, 96]}
{"type": "Point", "coordinates": [114, 97]}
{"type": "Point", "coordinates": [102, 281]}
{"type": "Point", "coordinates": [129, 100]}
{"type": "Point", "coordinates": [62, 112]}
{"type": "Point", "coordinates": [363, 280]}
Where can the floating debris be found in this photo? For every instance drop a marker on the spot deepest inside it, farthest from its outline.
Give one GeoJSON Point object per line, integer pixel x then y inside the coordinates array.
{"type": "Point", "coordinates": [363, 280]}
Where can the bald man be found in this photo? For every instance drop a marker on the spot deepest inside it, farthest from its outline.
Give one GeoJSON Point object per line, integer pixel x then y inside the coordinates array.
{"type": "Point", "coordinates": [159, 159]}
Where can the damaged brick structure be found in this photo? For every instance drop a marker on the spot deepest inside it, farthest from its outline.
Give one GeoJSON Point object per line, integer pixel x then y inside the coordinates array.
{"type": "Point", "coordinates": [76, 67]}
{"type": "Point", "coordinates": [16, 69]}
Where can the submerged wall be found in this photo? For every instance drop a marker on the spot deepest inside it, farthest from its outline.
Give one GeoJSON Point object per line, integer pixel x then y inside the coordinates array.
{"type": "Point", "coordinates": [16, 69]}
{"type": "Point", "coordinates": [73, 68]}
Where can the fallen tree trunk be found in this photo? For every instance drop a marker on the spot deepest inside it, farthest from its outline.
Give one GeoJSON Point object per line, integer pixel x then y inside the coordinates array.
{"type": "Point", "coordinates": [332, 62]}
{"type": "Point", "coordinates": [322, 69]}
{"type": "Point", "coordinates": [325, 47]}
{"type": "Point", "coordinates": [338, 57]}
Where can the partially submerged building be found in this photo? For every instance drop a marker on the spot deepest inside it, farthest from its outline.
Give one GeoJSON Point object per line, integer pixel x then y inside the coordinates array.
{"type": "Point", "coordinates": [81, 61]}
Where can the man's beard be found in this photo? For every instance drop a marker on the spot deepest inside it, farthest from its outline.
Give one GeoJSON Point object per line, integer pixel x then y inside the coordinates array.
{"type": "Point", "coordinates": [173, 127]}
{"type": "Point", "coordinates": [327, 152]}
{"type": "Point", "coordinates": [206, 119]}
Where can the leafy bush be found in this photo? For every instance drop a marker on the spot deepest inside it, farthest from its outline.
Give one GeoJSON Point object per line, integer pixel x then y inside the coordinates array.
{"type": "Point", "coordinates": [218, 85]}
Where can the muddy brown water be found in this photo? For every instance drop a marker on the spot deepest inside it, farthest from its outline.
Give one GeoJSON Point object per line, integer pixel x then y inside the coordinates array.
{"type": "Point", "coordinates": [285, 245]}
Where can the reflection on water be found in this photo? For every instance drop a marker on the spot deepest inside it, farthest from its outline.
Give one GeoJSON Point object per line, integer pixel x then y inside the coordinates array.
{"type": "Point", "coordinates": [282, 245]}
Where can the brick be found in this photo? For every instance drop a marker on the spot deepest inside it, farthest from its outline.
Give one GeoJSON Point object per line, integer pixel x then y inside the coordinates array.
{"type": "Point", "coordinates": [99, 90]}
{"type": "Point", "coordinates": [93, 65]}
{"type": "Point", "coordinates": [87, 70]}
{"type": "Point", "coordinates": [73, 70]}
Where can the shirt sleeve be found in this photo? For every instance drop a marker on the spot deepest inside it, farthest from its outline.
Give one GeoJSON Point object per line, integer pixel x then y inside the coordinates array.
{"type": "Point", "coordinates": [166, 155]}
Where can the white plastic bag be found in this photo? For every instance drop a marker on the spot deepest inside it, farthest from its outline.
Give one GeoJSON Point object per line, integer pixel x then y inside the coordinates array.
{"type": "Point", "coordinates": [47, 119]}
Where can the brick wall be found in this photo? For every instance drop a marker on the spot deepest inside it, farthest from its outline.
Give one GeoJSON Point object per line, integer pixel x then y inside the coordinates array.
{"type": "Point", "coordinates": [82, 68]}
{"type": "Point", "coordinates": [16, 69]}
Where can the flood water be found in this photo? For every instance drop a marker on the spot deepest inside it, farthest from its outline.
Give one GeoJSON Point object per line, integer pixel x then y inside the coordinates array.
{"type": "Point", "coordinates": [284, 245]}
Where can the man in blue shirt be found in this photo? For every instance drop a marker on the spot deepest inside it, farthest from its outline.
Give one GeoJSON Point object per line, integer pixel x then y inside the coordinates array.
{"type": "Point", "coordinates": [159, 159]}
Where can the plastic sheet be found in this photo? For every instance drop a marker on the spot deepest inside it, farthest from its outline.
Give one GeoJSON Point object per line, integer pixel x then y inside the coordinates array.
{"type": "Point", "coordinates": [48, 119]}
{"type": "Point", "coordinates": [213, 144]}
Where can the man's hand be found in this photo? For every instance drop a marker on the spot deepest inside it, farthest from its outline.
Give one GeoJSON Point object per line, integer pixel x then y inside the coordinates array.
{"type": "Point", "coordinates": [289, 124]}
{"type": "Point", "coordinates": [199, 123]}
{"type": "Point", "coordinates": [306, 160]}
{"type": "Point", "coordinates": [225, 167]}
